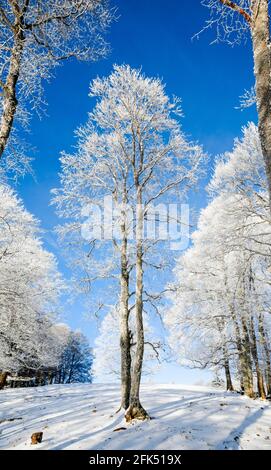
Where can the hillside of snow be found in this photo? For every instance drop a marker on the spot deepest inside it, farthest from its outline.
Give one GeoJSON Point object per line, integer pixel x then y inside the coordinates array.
{"type": "Point", "coordinates": [84, 417]}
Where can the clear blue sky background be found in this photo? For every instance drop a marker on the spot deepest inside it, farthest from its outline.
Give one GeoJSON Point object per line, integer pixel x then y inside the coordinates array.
{"type": "Point", "coordinates": [157, 36]}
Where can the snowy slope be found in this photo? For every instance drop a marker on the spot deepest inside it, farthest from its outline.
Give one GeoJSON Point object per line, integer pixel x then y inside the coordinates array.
{"type": "Point", "coordinates": [83, 417]}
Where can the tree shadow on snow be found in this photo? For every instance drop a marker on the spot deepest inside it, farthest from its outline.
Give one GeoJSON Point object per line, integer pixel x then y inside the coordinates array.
{"type": "Point", "coordinates": [232, 441]}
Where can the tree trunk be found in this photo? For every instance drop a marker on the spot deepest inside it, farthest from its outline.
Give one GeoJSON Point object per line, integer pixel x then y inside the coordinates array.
{"type": "Point", "coordinates": [125, 340]}
{"type": "Point", "coordinates": [221, 328]}
{"type": "Point", "coordinates": [136, 410]}
{"type": "Point", "coordinates": [3, 379]}
{"type": "Point", "coordinates": [126, 361]}
{"type": "Point", "coordinates": [260, 33]}
{"type": "Point", "coordinates": [241, 352]}
{"type": "Point", "coordinates": [264, 341]}
{"type": "Point", "coordinates": [9, 88]}
{"type": "Point", "coordinates": [260, 383]}
{"type": "Point", "coordinates": [229, 386]}
{"type": "Point", "coordinates": [247, 364]}
{"type": "Point", "coordinates": [254, 350]}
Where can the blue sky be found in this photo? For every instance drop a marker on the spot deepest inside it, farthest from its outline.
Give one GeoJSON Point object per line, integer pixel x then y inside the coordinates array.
{"type": "Point", "coordinates": [155, 35]}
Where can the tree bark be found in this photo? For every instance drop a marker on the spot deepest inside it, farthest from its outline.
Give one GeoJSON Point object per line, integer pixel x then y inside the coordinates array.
{"type": "Point", "coordinates": [136, 410]}
{"type": "Point", "coordinates": [125, 340]}
{"type": "Point", "coordinates": [254, 350]}
{"type": "Point", "coordinates": [3, 379]}
{"type": "Point", "coordinates": [221, 328]}
{"type": "Point", "coordinates": [259, 23]}
{"type": "Point", "coordinates": [239, 349]}
{"type": "Point", "coordinates": [264, 341]}
{"type": "Point", "coordinates": [260, 32]}
{"type": "Point", "coordinates": [247, 364]}
{"type": "Point", "coordinates": [9, 87]}
{"type": "Point", "coordinates": [243, 348]}
{"type": "Point", "coordinates": [229, 386]}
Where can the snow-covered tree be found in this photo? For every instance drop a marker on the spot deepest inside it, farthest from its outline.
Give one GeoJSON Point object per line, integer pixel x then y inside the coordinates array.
{"type": "Point", "coordinates": [220, 313]}
{"type": "Point", "coordinates": [66, 357]}
{"type": "Point", "coordinates": [75, 362]}
{"type": "Point", "coordinates": [30, 287]}
{"type": "Point", "coordinates": [35, 37]}
{"type": "Point", "coordinates": [132, 149]}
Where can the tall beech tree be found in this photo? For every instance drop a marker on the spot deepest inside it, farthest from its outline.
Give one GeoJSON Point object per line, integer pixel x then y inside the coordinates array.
{"type": "Point", "coordinates": [133, 149]}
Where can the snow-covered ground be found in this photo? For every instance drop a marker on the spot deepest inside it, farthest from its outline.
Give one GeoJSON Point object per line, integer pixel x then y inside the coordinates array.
{"type": "Point", "coordinates": [84, 417]}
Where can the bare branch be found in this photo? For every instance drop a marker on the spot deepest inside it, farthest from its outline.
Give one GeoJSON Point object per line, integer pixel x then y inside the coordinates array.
{"type": "Point", "coordinates": [238, 9]}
